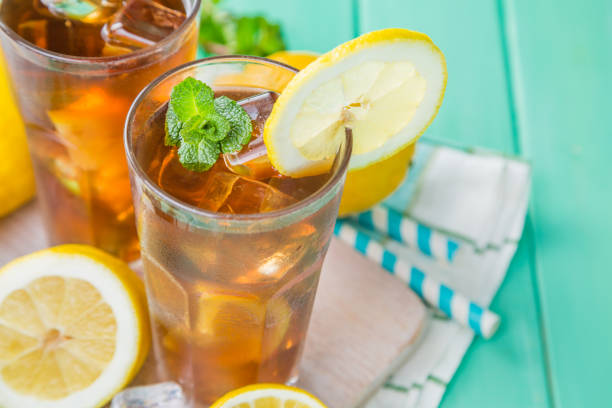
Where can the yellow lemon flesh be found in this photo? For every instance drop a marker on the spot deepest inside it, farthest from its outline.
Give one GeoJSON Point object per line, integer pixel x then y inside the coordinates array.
{"type": "Point", "coordinates": [16, 175]}
{"type": "Point", "coordinates": [73, 328]}
{"type": "Point", "coordinates": [268, 396]}
{"type": "Point", "coordinates": [369, 185]}
{"type": "Point", "coordinates": [386, 86]}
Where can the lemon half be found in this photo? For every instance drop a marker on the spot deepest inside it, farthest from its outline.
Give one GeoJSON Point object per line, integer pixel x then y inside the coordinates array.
{"type": "Point", "coordinates": [386, 85]}
{"type": "Point", "coordinates": [73, 328]}
{"type": "Point", "coordinates": [268, 396]}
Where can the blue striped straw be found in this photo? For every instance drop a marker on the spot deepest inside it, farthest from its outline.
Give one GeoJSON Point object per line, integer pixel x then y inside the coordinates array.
{"type": "Point", "coordinates": [392, 223]}
{"type": "Point", "coordinates": [453, 304]}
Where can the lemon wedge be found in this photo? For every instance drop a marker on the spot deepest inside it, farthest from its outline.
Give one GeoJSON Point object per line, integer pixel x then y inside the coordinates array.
{"type": "Point", "coordinates": [268, 396]}
{"type": "Point", "coordinates": [73, 328]}
{"type": "Point", "coordinates": [385, 85]}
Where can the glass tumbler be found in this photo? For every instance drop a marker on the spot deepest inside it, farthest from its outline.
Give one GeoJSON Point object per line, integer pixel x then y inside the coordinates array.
{"type": "Point", "coordinates": [74, 109]}
{"type": "Point", "coordinates": [230, 295]}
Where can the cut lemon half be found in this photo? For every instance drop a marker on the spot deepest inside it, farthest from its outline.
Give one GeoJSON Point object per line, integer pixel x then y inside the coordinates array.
{"type": "Point", "coordinates": [385, 85]}
{"type": "Point", "coordinates": [73, 328]}
{"type": "Point", "coordinates": [268, 396]}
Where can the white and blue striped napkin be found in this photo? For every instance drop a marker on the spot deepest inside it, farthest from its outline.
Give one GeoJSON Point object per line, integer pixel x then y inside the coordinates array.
{"type": "Point", "coordinates": [464, 212]}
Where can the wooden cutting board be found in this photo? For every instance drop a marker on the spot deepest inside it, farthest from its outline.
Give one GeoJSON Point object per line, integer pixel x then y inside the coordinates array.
{"type": "Point", "coordinates": [364, 322]}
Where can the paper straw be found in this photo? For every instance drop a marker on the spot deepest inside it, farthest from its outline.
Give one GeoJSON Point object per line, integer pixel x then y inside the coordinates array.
{"type": "Point", "coordinates": [453, 304]}
{"type": "Point", "coordinates": [392, 223]}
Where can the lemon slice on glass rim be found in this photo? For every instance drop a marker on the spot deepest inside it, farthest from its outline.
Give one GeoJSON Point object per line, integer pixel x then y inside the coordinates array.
{"type": "Point", "coordinates": [268, 396]}
{"type": "Point", "coordinates": [387, 86]}
{"type": "Point", "coordinates": [73, 328]}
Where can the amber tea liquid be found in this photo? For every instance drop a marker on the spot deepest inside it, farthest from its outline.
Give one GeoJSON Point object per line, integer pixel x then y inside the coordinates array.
{"type": "Point", "coordinates": [75, 73]}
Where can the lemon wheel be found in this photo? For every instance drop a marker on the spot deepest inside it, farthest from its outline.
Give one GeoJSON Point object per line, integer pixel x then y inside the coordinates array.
{"type": "Point", "coordinates": [268, 396]}
{"type": "Point", "coordinates": [387, 86]}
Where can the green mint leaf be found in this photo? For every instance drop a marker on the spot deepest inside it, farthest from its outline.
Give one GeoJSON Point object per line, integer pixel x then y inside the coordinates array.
{"type": "Point", "coordinates": [191, 131]}
{"type": "Point", "coordinates": [173, 128]}
{"type": "Point", "coordinates": [212, 127]}
{"type": "Point", "coordinates": [216, 28]}
{"type": "Point", "coordinates": [202, 127]}
{"type": "Point", "coordinates": [240, 122]}
{"type": "Point", "coordinates": [198, 156]}
{"type": "Point", "coordinates": [222, 32]}
{"type": "Point", "coordinates": [217, 127]}
{"type": "Point", "coordinates": [257, 36]}
{"type": "Point", "coordinates": [190, 98]}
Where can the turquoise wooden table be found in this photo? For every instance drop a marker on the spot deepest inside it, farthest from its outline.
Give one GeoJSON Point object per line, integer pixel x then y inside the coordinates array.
{"type": "Point", "coordinates": [530, 78]}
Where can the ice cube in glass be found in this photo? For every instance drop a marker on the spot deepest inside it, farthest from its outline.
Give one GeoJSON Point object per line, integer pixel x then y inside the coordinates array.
{"type": "Point", "coordinates": [252, 161]}
{"type": "Point", "coordinates": [141, 23]}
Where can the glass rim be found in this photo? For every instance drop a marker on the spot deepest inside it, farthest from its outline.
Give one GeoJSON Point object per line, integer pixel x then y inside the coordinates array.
{"type": "Point", "coordinates": [218, 216]}
{"type": "Point", "coordinates": [93, 61]}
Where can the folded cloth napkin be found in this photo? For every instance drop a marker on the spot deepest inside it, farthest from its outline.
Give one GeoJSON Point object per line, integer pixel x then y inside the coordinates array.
{"type": "Point", "coordinates": [479, 199]}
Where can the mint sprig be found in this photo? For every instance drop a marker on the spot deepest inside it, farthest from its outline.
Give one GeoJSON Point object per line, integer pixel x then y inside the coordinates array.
{"type": "Point", "coordinates": [222, 32]}
{"type": "Point", "coordinates": [240, 131]}
{"type": "Point", "coordinates": [202, 127]}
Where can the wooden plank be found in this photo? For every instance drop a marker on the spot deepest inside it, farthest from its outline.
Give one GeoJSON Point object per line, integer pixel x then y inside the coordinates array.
{"type": "Point", "coordinates": [506, 371]}
{"type": "Point", "coordinates": [307, 25]}
{"type": "Point", "coordinates": [21, 233]}
{"type": "Point", "coordinates": [561, 59]}
{"type": "Point", "coordinates": [476, 108]}
{"type": "Point", "coordinates": [477, 112]}
{"type": "Point", "coordinates": [364, 322]}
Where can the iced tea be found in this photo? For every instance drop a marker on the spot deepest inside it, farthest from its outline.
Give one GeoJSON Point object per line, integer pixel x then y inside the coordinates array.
{"type": "Point", "coordinates": [232, 256]}
{"type": "Point", "coordinates": [76, 66]}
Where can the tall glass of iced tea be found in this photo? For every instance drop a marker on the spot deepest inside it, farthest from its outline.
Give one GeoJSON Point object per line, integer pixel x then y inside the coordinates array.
{"type": "Point", "coordinates": [76, 66]}
{"type": "Point", "coordinates": [231, 255]}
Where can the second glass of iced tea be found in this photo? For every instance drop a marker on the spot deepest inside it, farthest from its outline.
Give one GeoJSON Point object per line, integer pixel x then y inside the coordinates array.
{"type": "Point", "coordinates": [76, 67]}
{"type": "Point", "coordinates": [232, 256]}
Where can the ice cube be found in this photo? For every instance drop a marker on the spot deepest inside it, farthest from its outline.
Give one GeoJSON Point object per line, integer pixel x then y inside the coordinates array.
{"type": "Point", "coordinates": [110, 50]}
{"type": "Point", "coordinates": [252, 161]}
{"type": "Point", "coordinates": [252, 196]}
{"type": "Point", "coordinates": [299, 188]}
{"type": "Point", "coordinates": [167, 298]}
{"type": "Point", "coordinates": [141, 23]}
{"type": "Point", "coordinates": [172, 177]}
{"type": "Point", "coordinates": [275, 200]}
{"type": "Point", "coordinates": [161, 395]}
{"type": "Point", "coordinates": [277, 265]}
{"type": "Point", "coordinates": [62, 35]}
{"type": "Point", "coordinates": [217, 188]}
{"type": "Point", "coordinates": [259, 108]}
{"type": "Point", "coordinates": [87, 11]}
{"type": "Point", "coordinates": [34, 31]}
